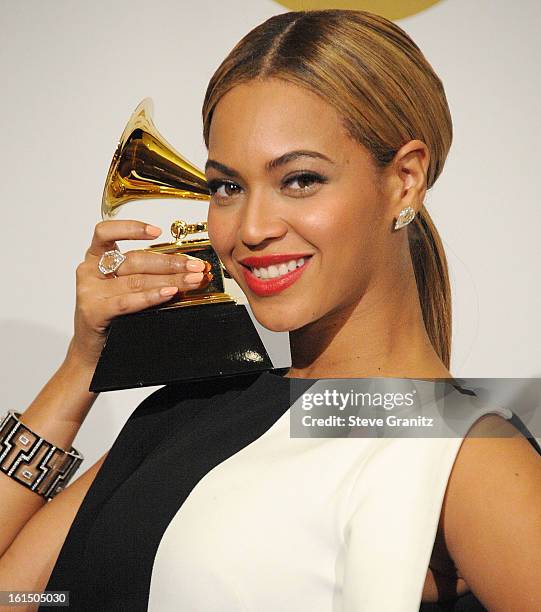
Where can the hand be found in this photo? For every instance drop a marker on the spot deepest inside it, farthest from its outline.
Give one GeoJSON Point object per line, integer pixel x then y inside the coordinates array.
{"type": "Point", "coordinates": [144, 279]}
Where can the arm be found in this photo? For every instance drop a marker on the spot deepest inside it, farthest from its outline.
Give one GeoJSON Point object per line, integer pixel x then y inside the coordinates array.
{"type": "Point", "coordinates": [145, 279]}
{"type": "Point", "coordinates": [26, 566]}
{"type": "Point", "coordinates": [56, 414]}
{"type": "Point", "coordinates": [491, 516]}
{"type": "Point", "coordinates": [59, 410]}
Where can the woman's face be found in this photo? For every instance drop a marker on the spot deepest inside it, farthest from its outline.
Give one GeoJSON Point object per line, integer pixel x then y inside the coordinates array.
{"type": "Point", "coordinates": [322, 206]}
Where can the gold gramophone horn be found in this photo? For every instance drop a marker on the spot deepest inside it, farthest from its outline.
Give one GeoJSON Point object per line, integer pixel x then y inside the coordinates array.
{"type": "Point", "coordinates": [146, 166]}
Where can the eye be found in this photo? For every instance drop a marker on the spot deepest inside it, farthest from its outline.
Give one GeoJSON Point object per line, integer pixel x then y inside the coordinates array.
{"type": "Point", "coordinates": [305, 182]}
{"type": "Point", "coordinates": [229, 188]}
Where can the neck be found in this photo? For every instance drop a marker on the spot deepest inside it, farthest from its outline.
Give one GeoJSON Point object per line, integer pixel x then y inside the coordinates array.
{"type": "Point", "coordinates": [381, 334]}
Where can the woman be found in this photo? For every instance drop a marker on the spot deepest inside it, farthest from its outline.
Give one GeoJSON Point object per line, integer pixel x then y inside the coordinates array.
{"type": "Point", "coordinates": [324, 131]}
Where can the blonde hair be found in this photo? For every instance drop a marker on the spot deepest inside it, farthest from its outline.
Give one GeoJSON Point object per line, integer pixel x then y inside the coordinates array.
{"type": "Point", "coordinates": [386, 93]}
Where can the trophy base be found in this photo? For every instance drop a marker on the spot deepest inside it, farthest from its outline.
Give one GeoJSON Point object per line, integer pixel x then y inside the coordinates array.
{"type": "Point", "coordinates": [158, 347]}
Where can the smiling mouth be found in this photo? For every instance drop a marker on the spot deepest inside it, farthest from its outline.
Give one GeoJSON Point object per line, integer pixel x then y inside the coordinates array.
{"type": "Point", "coordinates": [279, 276]}
{"type": "Point", "coordinates": [277, 270]}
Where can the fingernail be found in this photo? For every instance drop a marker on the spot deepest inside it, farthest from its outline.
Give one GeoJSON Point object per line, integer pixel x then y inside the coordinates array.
{"type": "Point", "coordinates": [207, 278]}
{"type": "Point", "coordinates": [194, 278]}
{"type": "Point", "coordinates": [195, 265]}
{"type": "Point", "coordinates": [153, 231]}
{"type": "Point", "coordinates": [165, 291]}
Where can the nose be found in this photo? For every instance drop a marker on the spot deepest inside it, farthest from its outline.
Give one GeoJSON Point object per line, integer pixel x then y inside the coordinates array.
{"type": "Point", "coordinates": [260, 220]}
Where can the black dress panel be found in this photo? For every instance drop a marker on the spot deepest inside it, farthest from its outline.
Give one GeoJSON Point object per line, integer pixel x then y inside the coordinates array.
{"type": "Point", "coordinates": [171, 440]}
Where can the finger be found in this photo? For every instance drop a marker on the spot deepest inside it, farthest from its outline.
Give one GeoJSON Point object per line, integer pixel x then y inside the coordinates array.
{"type": "Point", "coordinates": [106, 233]}
{"type": "Point", "coordinates": [134, 283]}
{"type": "Point", "coordinates": [147, 262]}
{"type": "Point", "coordinates": [128, 303]}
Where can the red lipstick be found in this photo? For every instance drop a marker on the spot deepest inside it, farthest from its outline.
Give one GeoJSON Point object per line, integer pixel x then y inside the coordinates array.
{"type": "Point", "coordinates": [266, 287]}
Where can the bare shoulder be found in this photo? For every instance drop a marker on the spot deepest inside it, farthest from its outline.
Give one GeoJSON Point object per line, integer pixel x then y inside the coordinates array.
{"type": "Point", "coordinates": [491, 516]}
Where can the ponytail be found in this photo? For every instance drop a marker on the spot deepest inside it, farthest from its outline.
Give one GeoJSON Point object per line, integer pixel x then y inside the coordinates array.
{"type": "Point", "coordinates": [432, 277]}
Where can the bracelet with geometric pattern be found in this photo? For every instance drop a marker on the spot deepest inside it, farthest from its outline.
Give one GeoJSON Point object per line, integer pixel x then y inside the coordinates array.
{"type": "Point", "coordinates": [35, 463]}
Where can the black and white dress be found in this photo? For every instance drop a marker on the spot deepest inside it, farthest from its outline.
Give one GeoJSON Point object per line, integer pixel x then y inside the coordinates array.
{"type": "Point", "coordinates": [205, 503]}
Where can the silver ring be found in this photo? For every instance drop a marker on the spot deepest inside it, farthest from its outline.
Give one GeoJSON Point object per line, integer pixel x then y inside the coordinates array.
{"type": "Point", "coordinates": [110, 261]}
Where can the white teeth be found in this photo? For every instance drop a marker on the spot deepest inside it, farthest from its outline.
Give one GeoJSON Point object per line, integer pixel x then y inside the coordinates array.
{"type": "Point", "coordinates": [283, 269]}
{"type": "Point", "coordinates": [279, 269]}
{"type": "Point", "coordinates": [273, 271]}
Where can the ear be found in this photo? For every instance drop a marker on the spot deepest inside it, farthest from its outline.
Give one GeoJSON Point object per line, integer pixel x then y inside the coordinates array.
{"type": "Point", "coordinates": [409, 170]}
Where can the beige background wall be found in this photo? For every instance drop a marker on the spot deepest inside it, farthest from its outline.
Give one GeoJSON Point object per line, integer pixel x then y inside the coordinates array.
{"type": "Point", "coordinates": [73, 71]}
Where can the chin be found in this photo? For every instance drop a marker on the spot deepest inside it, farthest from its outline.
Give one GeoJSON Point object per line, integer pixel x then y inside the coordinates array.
{"type": "Point", "coordinates": [275, 324]}
{"type": "Point", "coordinates": [276, 319]}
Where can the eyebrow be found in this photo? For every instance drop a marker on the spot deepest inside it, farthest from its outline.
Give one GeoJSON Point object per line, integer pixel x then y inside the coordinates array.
{"type": "Point", "coordinates": [271, 165]}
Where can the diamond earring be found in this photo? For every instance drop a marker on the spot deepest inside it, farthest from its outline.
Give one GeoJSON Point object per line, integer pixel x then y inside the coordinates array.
{"type": "Point", "coordinates": [406, 216]}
